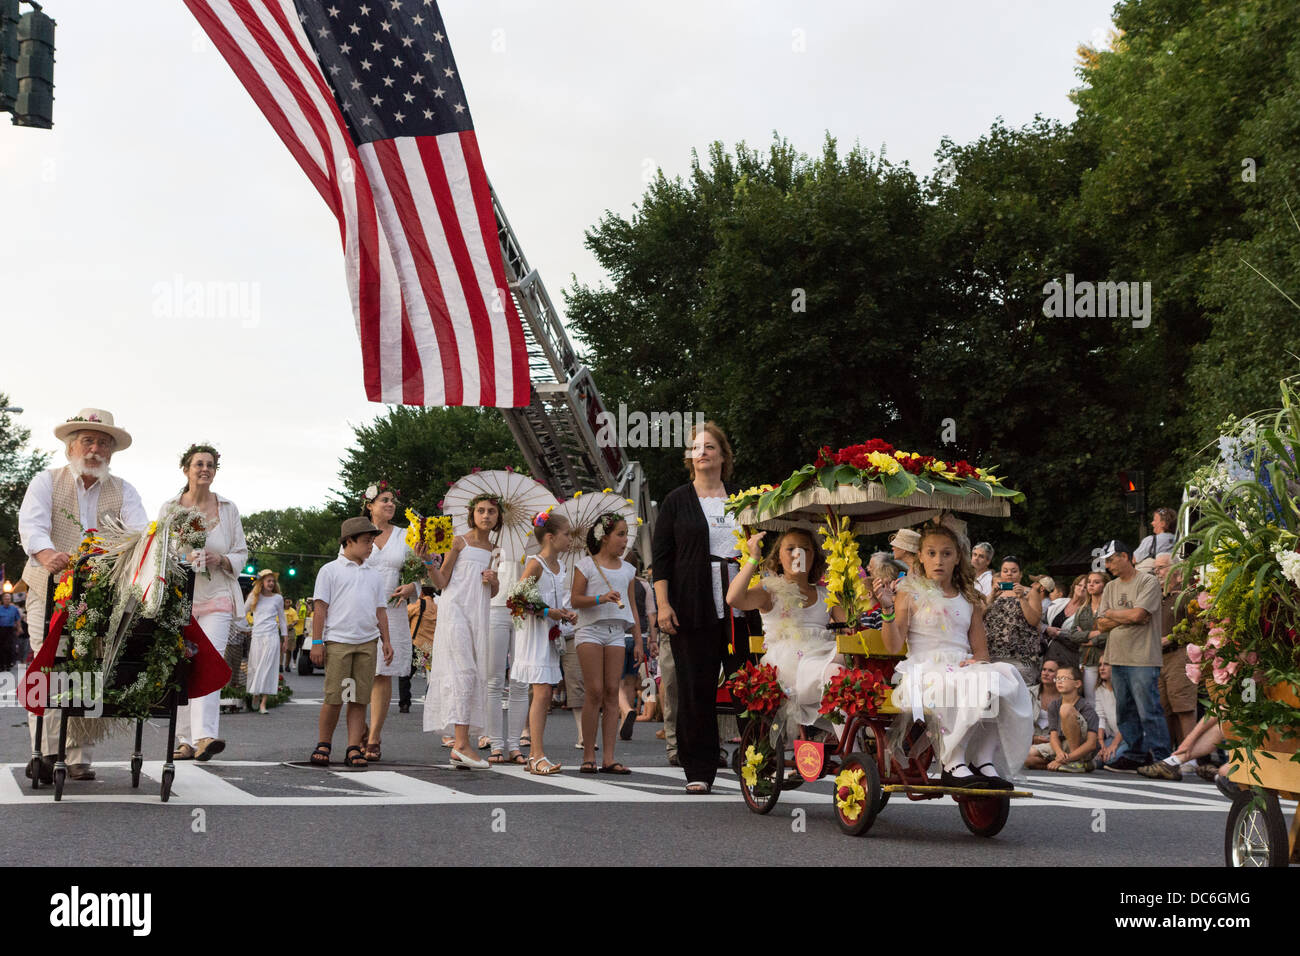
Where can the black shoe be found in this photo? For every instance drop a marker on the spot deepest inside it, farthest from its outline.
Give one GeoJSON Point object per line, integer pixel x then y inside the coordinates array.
{"type": "Point", "coordinates": [991, 780]}
{"type": "Point", "coordinates": [1126, 764]}
{"type": "Point", "coordinates": [46, 771]}
{"type": "Point", "coordinates": [973, 782]}
{"type": "Point", "coordinates": [629, 721]}
{"type": "Point", "coordinates": [403, 708]}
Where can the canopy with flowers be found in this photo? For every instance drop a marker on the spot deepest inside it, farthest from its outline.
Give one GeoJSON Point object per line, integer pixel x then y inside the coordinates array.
{"type": "Point", "coordinates": [878, 487]}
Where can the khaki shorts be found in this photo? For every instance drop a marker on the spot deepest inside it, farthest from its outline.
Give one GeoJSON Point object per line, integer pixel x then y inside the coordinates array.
{"type": "Point", "coordinates": [1045, 750]}
{"type": "Point", "coordinates": [352, 662]}
{"type": "Point", "coordinates": [1177, 693]}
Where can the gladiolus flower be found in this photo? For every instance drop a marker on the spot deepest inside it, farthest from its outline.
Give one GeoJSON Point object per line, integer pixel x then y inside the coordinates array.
{"type": "Point", "coordinates": [1193, 673]}
{"type": "Point", "coordinates": [1221, 676]}
{"type": "Point", "coordinates": [1215, 641]}
{"type": "Point", "coordinates": [1194, 653]}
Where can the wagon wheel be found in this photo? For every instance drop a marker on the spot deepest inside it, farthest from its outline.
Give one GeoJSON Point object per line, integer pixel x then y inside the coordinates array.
{"type": "Point", "coordinates": [167, 777]}
{"type": "Point", "coordinates": [136, 764]}
{"type": "Point", "coordinates": [865, 741]}
{"type": "Point", "coordinates": [1256, 834]}
{"type": "Point", "coordinates": [859, 822]}
{"type": "Point", "coordinates": [985, 816]}
{"type": "Point", "coordinates": [60, 777]}
{"type": "Point", "coordinates": [762, 796]}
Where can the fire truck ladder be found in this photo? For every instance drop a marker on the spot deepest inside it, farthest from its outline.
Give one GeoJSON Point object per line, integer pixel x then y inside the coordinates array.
{"type": "Point", "coordinates": [557, 430]}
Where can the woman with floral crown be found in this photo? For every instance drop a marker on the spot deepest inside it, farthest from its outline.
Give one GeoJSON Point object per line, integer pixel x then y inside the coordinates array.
{"type": "Point", "coordinates": [387, 556]}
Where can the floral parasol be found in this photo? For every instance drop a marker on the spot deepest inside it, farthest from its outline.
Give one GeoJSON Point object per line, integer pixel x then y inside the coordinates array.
{"type": "Point", "coordinates": [583, 510]}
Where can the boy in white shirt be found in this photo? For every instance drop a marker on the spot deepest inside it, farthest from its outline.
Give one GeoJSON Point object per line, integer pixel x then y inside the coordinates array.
{"type": "Point", "coordinates": [350, 604]}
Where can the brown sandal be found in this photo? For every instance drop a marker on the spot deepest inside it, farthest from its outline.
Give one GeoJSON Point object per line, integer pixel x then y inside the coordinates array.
{"type": "Point", "coordinates": [373, 753]}
{"type": "Point", "coordinates": [183, 752]}
{"type": "Point", "coordinates": [588, 766]}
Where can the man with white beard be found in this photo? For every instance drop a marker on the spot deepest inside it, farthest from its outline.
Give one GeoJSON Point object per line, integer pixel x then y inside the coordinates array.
{"type": "Point", "coordinates": [59, 505]}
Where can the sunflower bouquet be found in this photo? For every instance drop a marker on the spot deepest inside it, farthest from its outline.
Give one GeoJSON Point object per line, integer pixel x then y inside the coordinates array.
{"type": "Point", "coordinates": [434, 533]}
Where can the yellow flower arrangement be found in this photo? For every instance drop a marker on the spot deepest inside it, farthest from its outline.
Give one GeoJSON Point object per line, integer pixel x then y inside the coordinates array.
{"type": "Point", "coordinates": [988, 477]}
{"type": "Point", "coordinates": [843, 585]}
{"type": "Point", "coordinates": [64, 589]}
{"type": "Point", "coordinates": [153, 528]}
{"type": "Point", "coordinates": [849, 793]}
{"type": "Point", "coordinates": [436, 533]}
{"type": "Point", "coordinates": [885, 464]}
{"type": "Point", "coordinates": [749, 770]}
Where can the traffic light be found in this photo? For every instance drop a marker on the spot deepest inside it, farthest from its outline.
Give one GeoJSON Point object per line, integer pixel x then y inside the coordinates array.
{"type": "Point", "coordinates": [249, 568]}
{"type": "Point", "coordinates": [293, 569]}
{"type": "Point", "coordinates": [34, 105]}
{"type": "Point", "coordinates": [8, 54]}
{"type": "Point", "coordinates": [1132, 486]}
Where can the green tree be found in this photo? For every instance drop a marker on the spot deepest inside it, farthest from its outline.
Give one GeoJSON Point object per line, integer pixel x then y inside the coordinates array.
{"type": "Point", "coordinates": [420, 451]}
{"type": "Point", "coordinates": [18, 467]}
{"type": "Point", "coordinates": [305, 539]}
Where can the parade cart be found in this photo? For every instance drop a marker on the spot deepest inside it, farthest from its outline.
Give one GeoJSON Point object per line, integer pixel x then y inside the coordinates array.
{"type": "Point", "coordinates": [122, 645]}
{"type": "Point", "coordinates": [130, 666]}
{"type": "Point", "coordinates": [847, 496]}
{"type": "Point", "coordinates": [1256, 832]}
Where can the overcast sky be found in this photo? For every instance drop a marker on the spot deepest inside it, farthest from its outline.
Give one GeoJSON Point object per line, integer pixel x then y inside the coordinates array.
{"type": "Point", "coordinates": [161, 172]}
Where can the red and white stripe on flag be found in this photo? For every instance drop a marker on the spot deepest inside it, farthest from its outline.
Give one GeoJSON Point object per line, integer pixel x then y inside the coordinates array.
{"type": "Point", "coordinates": [424, 268]}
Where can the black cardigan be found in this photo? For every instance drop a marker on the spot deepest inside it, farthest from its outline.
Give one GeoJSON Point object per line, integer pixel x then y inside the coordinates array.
{"type": "Point", "coordinates": [681, 556]}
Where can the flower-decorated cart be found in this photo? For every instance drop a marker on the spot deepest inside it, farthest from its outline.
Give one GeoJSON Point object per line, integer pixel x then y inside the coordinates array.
{"type": "Point", "coordinates": [1244, 621]}
{"type": "Point", "coordinates": [122, 645]}
{"type": "Point", "coordinates": [862, 489]}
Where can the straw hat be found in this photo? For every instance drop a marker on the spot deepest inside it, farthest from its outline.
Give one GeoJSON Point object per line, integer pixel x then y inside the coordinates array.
{"type": "Point", "coordinates": [94, 420]}
{"type": "Point", "coordinates": [907, 539]}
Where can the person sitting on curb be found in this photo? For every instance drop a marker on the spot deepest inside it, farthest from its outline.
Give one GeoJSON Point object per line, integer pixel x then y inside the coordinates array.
{"type": "Point", "coordinates": [1071, 717]}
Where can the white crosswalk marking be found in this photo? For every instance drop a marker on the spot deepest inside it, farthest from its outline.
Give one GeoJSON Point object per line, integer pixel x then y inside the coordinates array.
{"type": "Point", "coordinates": [222, 783]}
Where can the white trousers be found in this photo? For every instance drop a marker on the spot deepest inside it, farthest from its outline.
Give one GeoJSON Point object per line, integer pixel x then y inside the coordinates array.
{"type": "Point", "coordinates": [504, 727]}
{"type": "Point", "coordinates": [50, 728]}
{"type": "Point", "coordinates": [201, 717]}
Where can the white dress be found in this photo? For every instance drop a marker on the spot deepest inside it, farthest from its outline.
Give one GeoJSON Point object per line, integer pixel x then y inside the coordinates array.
{"type": "Point", "coordinates": [798, 643]}
{"type": "Point", "coordinates": [537, 660]}
{"type": "Point", "coordinates": [388, 561]}
{"type": "Point", "coordinates": [269, 625]}
{"type": "Point", "coordinates": [959, 704]}
{"type": "Point", "coordinates": [458, 664]}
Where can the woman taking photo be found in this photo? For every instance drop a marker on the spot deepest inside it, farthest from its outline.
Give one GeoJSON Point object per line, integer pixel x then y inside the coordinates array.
{"type": "Point", "coordinates": [1012, 622]}
{"type": "Point", "coordinates": [217, 597]}
{"type": "Point", "coordinates": [694, 559]}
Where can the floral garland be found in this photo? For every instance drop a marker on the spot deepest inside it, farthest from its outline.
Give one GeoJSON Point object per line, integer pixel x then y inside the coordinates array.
{"type": "Point", "coordinates": [757, 689]}
{"type": "Point", "coordinates": [375, 489]}
{"type": "Point", "coordinates": [435, 533]}
{"type": "Point", "coordinates": [900, 473]}
{"type": "Point", "coordinates": [852, 692]}
{"type": "Point", "coordinates": [93, 598]}
{"type": "Point", "coordinates": [850, 795]}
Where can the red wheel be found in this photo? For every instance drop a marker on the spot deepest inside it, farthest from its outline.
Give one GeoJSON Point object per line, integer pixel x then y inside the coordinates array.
{"type": "Point", "coordinates": [856, 818]}
{"type": "Point", "coordinates": [985, 816]}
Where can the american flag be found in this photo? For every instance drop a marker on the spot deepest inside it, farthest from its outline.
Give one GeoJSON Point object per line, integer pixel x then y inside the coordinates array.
{"type": "Point", "coordinates": [368, 98]}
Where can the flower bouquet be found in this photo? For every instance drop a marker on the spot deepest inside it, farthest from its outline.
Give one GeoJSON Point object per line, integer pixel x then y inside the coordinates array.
{"type": "Point", "coordinates": [412, 571]}
{"type": "Point", "coordinates": [524, 600]}
{"type": "Point", "coordinates": [434, 533]}
{"type": "Point", "coordinates": [852, 692]}
{"type": "Point", "coordinates": [1242, 641]}
{"type": "Point", "coordinates": [757, 690]}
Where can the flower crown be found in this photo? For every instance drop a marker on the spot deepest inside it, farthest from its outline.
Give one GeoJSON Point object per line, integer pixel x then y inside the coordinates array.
{"type": "Point", "coordinates": [495, 499]}
{"type": "Point", "coordinates": [376, 489]}
{"type": "Point", "coordinates": [605, 524]}
{"type": "Point", "coordinates": [200, 447]}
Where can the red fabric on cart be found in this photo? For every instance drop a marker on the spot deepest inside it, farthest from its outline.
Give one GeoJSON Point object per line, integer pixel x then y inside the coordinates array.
{"type": "Point", "coordinates": [209, 672]}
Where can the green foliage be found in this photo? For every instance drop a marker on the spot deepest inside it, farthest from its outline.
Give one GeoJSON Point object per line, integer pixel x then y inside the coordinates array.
{"type": "Point", "coordinates": [17, 469]}
{"type": "Point", "coordinates": [420, 451]}
{"type": "Point", "coordinates": [312, 533]}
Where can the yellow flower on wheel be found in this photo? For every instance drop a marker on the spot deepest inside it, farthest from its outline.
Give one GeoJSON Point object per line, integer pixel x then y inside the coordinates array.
{"type": "Point", "coordinates": [749, 770]}
{"type": "Point", "coordinates": [849, 793]}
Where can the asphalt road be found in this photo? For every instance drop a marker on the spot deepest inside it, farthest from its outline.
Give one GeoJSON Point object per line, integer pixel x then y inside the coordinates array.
{"type": "Point", "coordinates": [250, 807]}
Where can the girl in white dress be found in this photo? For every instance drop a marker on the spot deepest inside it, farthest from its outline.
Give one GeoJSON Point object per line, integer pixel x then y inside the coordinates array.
{"type": "Point", "coordinates": [387, 556]}
{"type": "Point", "coordinates": [456, 701]}
{"type": "Point", "coordinates": [540, 644]}
{"type": "Point", "coordinates": [602, 596]}
{"type": "Point", "coordinates": [269, 628]}
{"type": "Point", "coordinates": [978, 714]}
{"type": "Point", "coordinates": [796, 636]}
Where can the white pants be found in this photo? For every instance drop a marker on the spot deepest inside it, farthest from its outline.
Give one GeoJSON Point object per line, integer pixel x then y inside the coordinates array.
{"type": "Point", "coordinates": [50, 728]}
{"type": "Point", "coordinates": [1090, 681]}
{"type": "Point", "coordinates": [503, 728]}
{"type": "Point", "coordinates": [201, 717]}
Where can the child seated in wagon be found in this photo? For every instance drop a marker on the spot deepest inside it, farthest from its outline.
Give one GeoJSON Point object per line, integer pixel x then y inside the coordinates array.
{"type": "Point", "coordinates": [796, 636]}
